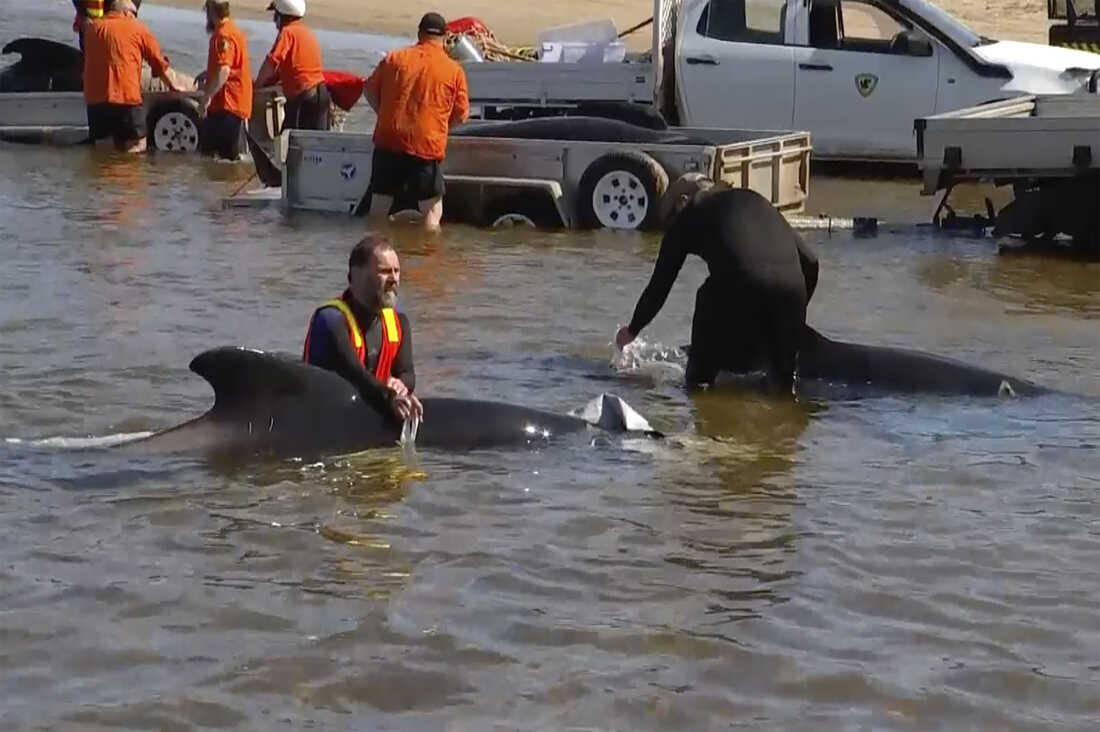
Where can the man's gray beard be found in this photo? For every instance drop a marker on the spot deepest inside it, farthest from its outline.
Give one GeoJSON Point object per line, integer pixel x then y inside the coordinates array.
{"type": "Point", "coordinates": [387, 299]}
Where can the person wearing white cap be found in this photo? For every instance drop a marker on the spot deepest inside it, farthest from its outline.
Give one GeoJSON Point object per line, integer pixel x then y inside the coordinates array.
{"type": "Point", "coordinates": [295, 62]}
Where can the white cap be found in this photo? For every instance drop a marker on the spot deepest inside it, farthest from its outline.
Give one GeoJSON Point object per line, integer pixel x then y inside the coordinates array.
{"type": "Point", "coordinates": [295, 8]}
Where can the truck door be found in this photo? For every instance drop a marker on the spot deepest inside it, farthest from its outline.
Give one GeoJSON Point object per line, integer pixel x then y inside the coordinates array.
{"type": "Point", "coordinates": [866, 75]}
{"type": "Point", "coordinates": [733, 69]}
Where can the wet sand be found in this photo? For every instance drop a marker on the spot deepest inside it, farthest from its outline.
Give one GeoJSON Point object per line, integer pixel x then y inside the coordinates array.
{"type": "Point", "coordinates": [517, 23]}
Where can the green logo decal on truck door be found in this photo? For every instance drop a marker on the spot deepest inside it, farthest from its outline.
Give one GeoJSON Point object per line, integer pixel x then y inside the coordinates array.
{"type": "Point", "coordinates": [865, 84]}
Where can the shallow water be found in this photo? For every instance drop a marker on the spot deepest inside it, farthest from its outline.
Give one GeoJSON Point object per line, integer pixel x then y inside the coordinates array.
{"type": "Point", "coordinates": [880, 563]}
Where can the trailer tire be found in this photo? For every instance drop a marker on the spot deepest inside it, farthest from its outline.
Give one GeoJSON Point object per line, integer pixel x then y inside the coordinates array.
{"type": "Point", "coordinates": [621, 191]}
{"type": "Point", "coordinates": [522, 209]}
{"type": "Point", "coordinates": [175, 126]}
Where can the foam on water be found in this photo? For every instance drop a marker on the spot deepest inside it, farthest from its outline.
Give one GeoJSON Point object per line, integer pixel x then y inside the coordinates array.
{"type": "Point", "coordinates": [79, 443]}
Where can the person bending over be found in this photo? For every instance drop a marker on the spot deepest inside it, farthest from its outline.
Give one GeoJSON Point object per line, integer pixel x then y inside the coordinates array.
{"type": "Point", "coordinates": [751, 310]}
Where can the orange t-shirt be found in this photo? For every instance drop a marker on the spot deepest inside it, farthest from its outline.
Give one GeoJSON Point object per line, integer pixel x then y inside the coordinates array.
{"type": "Point", "coordinates": [114, 47]}
{"type": "Point", "coordinates": [421, 90]}
{"type": "Point", "coordinates": [228, 47]}
{"type": "Point", "coordinates": [297, 56]}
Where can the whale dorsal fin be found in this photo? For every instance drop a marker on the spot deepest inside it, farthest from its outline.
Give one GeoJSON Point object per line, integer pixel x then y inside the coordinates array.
{"type": "Point", "coordinates": [246, 377]}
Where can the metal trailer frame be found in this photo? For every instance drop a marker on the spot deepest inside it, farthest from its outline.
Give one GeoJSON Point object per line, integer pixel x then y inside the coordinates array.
{"type": "Point", "coordinates": [1055, 136]}
{"type": "Point", "coordinates": [517, 84]}
{"type": "Point", "coordinates": [330, 171]}
{"type": "Point", "coordinates": [61, 117]}
{"type": "Point", "coordinates": [1046, 147]}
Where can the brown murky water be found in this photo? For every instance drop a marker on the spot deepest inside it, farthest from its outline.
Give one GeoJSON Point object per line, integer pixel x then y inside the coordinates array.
{"type": "Point", "coordinates": [886, 563]}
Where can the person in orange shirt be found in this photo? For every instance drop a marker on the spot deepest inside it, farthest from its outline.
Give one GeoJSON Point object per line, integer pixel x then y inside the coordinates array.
{"type": "Point", "coordinates": [227, 97]}
{"type": "Point", "coordinates": [295, 62]}
{"type": "Point", "coordinates": [419, 93]}
{"type": "Point", "coordinates": [114, 47]}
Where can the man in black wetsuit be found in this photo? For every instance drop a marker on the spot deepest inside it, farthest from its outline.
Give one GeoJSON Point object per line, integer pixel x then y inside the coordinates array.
{"type": "Point", "coordinates": [750, 312]}
{"type": "Point", "coordinates": [363, 338]}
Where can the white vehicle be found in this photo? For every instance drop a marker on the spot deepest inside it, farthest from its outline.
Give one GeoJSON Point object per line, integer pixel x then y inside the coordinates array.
{"type": "Point", "coordinates": [855, 74]}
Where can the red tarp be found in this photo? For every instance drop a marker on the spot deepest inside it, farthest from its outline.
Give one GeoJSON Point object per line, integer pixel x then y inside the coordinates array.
{"type": "Point", "coordinates": [344, 87]}
{"type": "Point", "coordinates": [469, 24]}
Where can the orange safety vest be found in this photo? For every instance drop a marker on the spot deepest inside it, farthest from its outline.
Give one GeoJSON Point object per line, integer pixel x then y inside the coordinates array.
{"type": "Point", "coordinates": [391, 337]}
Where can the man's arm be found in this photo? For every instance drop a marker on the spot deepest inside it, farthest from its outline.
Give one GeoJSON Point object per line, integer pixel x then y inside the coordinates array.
{"type": "Point", "coordinates": [331, 328]}
{"type": "Point", "coordinates": [669, 261]}
{"type": "Point", "coordinates": [268, 73]}
{"type": "Point", "coordinates": [150, 50]}
{"type": "Point", "coordinates": [223, 51]}
{"type": "Point", "coordinates": [460, 110]}
{"type": "Point", "coordinates": [372, 88]}
{"type": "Point", "coordinates": [214, 84]}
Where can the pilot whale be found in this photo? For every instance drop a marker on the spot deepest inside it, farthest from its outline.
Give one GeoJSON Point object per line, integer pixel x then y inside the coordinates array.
{"type": "Point", "coordinates": [886, 368]}
{"type": "Point", "coordinates": [276, 405]}
{"type": "Point", "coordinates": [43, 65]}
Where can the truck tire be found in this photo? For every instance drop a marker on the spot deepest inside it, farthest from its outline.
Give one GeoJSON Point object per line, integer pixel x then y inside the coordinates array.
{"type": "Point", "coordinates": [526, 208]}
{"type": "Point", "coordinates": [175, 126]}
{"type": "Point", "coordinates": [621, 191]}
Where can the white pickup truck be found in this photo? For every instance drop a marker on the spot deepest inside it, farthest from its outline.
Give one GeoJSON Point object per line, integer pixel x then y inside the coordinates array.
{"type": "Point", "coordinates": [855, 74]}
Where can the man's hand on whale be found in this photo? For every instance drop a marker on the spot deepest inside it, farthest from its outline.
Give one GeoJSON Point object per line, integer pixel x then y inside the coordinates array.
{"type": "Point", "coordinates": [405, 403]}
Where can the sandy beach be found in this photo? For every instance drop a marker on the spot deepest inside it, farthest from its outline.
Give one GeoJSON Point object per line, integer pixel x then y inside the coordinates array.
{"type": "Point", "coordinates": [516, 23]}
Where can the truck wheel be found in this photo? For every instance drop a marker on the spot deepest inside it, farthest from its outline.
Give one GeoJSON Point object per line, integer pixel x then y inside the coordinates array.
{"type": "Point", "coordinates": [522, 209]}
{"type": "Point", "coordinates": [175, 126]}
{"type": "Point", "coordinates": [621, 191]}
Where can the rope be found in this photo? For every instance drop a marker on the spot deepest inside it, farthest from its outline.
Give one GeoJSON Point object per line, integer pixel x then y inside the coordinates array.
{"type": "Point", "coordinates": [242, 185]}
{"type": "Point", "coordinates": [491, 49]}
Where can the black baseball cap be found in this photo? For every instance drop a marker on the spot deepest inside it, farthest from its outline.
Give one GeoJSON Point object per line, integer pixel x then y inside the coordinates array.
{"type": "Point", "coordinates": [432, 24]}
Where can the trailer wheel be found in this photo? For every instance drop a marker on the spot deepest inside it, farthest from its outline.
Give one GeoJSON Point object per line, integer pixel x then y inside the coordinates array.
{"type": "Point", "coordinates": [622, 191]}
{"type": "Point", "coordinates": [175, 126]}
{"type": "Point", "coordinates": [522, 209]}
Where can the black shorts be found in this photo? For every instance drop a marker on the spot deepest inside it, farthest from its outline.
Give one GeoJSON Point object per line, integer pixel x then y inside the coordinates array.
{"type": "Point", "coordinates": [123, 122]}
{"type": "Point", "coordinates": [405, 177]}
{"type": "Point", "coordinates": [222, 134]}
{"type": "Point", "coordinates": [309, 110]}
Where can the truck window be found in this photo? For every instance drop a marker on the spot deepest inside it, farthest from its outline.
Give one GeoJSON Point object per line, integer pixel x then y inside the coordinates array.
{"type": "Point", "coordinates": [862, 21]}
{"type": "Point", "coordinates": [744, 21]}
{"type": "Point", "coordinates": [853, 25]}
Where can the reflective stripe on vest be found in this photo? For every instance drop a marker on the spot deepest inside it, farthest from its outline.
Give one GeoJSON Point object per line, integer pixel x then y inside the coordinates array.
{"type": "Point", "coordinates": [391, 343]}
{"type": "Point", "coordinates": [92, 8]}
{"type": "Point", "coordinates": [391, 338]}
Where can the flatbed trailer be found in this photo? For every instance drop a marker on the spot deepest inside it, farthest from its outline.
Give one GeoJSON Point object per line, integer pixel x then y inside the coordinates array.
{"type": "Point", "coordinates": [173, 119]}
{"type": "Point", "coordinates": [1046, 147]}
{"type": "Point", "coordinates": [548, 182]}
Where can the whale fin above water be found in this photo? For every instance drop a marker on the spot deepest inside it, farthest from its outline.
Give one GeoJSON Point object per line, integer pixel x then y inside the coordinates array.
{"type": "Point", "coordinates": [44, 65]}
{"type": "Point", "coordinates": [43, 53]}
{"type": "Point", "coordinates": [268, 403]}
{"type": "Point", "coordinates": [244, 376]}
